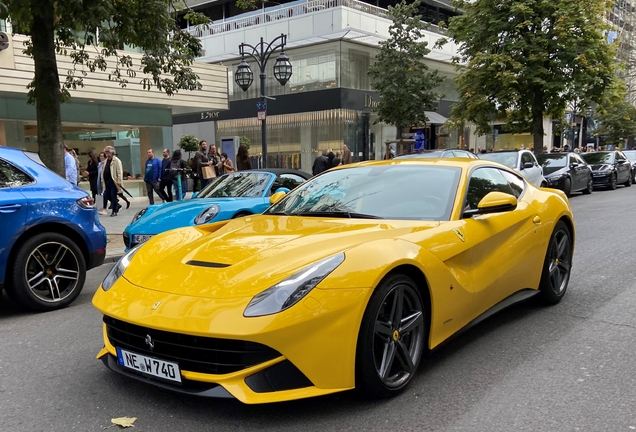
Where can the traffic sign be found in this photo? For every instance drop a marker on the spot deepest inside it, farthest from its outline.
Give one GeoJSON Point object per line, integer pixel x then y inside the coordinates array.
{"type": "Point", "coordinates": [262, 115]}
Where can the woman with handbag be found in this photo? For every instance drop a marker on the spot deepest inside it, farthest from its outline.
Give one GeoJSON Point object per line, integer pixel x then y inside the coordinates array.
{"type": "Point", "coordinates": [225, 165]}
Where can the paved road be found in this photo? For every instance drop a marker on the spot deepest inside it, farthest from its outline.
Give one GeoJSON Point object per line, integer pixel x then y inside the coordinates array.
{"type": "Point", "coordinates": [565, 368]}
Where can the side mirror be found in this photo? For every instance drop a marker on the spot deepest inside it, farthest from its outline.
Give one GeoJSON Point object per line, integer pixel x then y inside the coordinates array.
{"type": "Point", "coordinates": [528, 165]}
{"type": "Point", "coordinates": [574, 164]}
{"type": "Point", "coordinates": [194, 195]}
{"type": "Point", "coordinates": [494, 202]}
{"type": "Point", "coordinates": [277, 196]}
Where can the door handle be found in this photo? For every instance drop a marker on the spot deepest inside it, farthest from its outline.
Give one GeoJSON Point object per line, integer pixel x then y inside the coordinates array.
{"type": "Point", "coordinates": [10, 208]}
{"type": "Point", "coordinates": [536, 220]}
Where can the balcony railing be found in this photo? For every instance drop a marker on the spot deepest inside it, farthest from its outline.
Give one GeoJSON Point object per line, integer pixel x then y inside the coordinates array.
{"type": "Point", "coordinates": [285, 13]}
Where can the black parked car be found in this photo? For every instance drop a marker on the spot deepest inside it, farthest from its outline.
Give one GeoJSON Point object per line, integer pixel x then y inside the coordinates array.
{"type": "Point", "coordinates": [610, 168]}
{"type": "Point", "coordinates": [631, 155]}
{"type": "Point", "coordinates": [566, 171]}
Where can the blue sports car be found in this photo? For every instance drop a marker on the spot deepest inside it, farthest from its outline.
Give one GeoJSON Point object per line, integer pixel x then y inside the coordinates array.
{"type": "Point", "coordinates": [50, 233]}
{"type": "Point", "coordinates": [229, 196]}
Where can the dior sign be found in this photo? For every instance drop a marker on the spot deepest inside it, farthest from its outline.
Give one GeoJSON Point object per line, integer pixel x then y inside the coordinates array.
{"type": "Point", "coordinates": [369, 102]}
{"type": "Point", "coordinates": [4, 41]}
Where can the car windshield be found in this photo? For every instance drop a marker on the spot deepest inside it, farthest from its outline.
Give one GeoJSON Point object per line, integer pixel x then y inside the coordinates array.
{"type": "Point", "coordinates": [631, 155]}
{"type": "Point", "coordinates": [401, 191]}
{"type": "Point", "coordinates": [553, 160]}
{"type": "Point", "coordinates": [237, 185]}
{"type": "Point", "coordinates": [422, 155]}
{"type": "Point", "coordinates": [597, 158]}
{"type": "Point", "coordinates": [509, 159]}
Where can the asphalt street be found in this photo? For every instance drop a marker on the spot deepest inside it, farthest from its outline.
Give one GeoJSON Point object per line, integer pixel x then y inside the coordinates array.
{"type": "Point", "coordinates": [570, 367]}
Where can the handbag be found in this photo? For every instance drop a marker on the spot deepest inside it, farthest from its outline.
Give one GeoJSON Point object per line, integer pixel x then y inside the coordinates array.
{"type": "Point", "coordinates": [208, 172]}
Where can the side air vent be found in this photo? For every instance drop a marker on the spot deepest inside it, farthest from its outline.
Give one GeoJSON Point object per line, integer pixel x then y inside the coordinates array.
{"type": "Point", "coordinates": [207, 264]}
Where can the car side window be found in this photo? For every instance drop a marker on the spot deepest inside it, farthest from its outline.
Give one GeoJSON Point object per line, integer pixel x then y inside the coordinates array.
{"type": "Point", "coordinates": [482, 182]}
{"type": "Point", "coordinates": [516, 183]}
{"type": "Point", "coordinates": [11, 176]}
{"type": "Point", "coordinates": [289, 181]}
{"type": "Point", "coordinates": [619, 157]}
{"type": "Point", "coordinates": [527, 157]}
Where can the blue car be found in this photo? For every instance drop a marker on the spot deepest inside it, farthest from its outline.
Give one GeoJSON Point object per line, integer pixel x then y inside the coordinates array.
{"type": "Point", "coordinates": [51, 234]}
{"type": "Point", "coordinates": [229, 196]}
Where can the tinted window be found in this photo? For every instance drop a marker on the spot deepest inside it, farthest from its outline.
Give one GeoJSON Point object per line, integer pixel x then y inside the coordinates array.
{"type": "Point", "coordinates": [10, 176]}
{"type": "Point", "coordinates": [619, 156]}
{"type": "Point", "coordinates": [553, 160]}
{"type": "Point", "coordinates": [527, 157]}
{"type": "Point", "coordinates": [507, 158]}
{"type": "Point", "coordinates": [289, 181]}
{"type": "Point", "coordinates": [241, 184]}
{"type": "Point", "coordinates": [597, 158]}
{"type": "Point", "coordinates": [386, 191]}
{"type": "Point", "coordinates": [482, 182]}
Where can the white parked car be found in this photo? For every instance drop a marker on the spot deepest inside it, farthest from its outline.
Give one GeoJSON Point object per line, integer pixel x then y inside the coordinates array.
{"type": "Point", "coordinates": [522, 161]}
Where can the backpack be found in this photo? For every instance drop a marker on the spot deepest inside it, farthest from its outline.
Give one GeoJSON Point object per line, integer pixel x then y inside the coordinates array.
{"type": "Point", "coordinates": [174, 166]}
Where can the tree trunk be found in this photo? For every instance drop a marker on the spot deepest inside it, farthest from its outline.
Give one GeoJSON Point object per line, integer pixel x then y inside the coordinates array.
{"type": "Point", "coordinates": [47, 86]}
{"type": "Point", "coordinates": [537, 122]}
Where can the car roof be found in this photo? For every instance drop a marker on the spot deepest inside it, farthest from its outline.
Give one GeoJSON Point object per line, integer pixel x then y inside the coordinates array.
{"type": "Point", "coordinates": [451, 162]}
{"type": "Point", "coordinates": [279, 171]}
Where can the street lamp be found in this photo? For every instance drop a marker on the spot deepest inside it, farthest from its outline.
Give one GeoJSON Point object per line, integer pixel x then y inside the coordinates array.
{"type": "Point", "coordinates": [282, 72]}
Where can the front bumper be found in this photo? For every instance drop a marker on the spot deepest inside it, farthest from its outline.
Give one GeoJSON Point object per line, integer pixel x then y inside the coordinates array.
{"type": "Point", "coordinates": [315, 340]}
{"type": "Point", "coordinates": [602, 178]}
{"type": "Point", "coordinates": [556, 182]}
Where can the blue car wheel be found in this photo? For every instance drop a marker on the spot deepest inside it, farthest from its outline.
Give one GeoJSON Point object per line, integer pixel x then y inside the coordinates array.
{"type": "Point", "coordinates": [47, 272]}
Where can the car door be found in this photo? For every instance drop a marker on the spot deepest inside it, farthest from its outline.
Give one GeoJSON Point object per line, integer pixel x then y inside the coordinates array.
{"type": "Point", "coordinates": [535, 174]}
{"type": "Point", "coordinates": [623, 167]}
{"type": "Point", "coordinates": [504, 247]}
{"type": "Point", "coordinates": [13, 207]}
{"type": "Point", "coordinates": [580, 172]}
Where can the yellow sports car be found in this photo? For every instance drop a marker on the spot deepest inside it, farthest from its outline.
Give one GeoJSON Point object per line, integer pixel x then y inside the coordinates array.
{"type": "Point", "coordinates": [343, 283]}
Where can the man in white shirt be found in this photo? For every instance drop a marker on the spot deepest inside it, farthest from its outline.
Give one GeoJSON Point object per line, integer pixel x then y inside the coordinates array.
{"type": "Point", "coordinates": [70, 167]}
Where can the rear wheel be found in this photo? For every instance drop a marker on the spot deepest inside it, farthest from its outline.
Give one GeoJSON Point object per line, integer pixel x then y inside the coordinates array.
{"type": "Point", "coordinates": [628, 183]}
{"type": "Point", "coordinates": [557, 265]}
{"type": "Point", "coordinates": [48, 272]}
{"type": "Point", "coordinates": [391, 339]}
{"type": "Point", "coordinates": [567, 187]}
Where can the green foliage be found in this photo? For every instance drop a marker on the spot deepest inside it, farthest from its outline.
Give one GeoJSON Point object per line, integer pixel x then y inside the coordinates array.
{"type": "Point", "coordinates": [404, 82]}
{"type": "Point", "coordinates": [525, 59]}
{"type": "Point", "coordinates": [246, 141]}
{"type": "Point", "coordinates": [92, 33]}
{"type": "Point", "coordinates": [189, 143]}
{"type": "Point", "coordinates": [617, 121]}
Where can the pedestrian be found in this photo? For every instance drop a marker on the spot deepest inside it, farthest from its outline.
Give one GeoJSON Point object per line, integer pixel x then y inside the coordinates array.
{"type": "Point", "coordinates": [213, 157]}
{"type": "Point", "coordinates": [166, 179]}
{"type": "Point", "coordinates": [100, 189]}
{"type": "Point", "coordinates": [330, 158]}
{"type": "Point", "coordinates": [200, 160]}
{"type": "Point", "coordinates": [243, 161]}
{"type": "Point", "coordinates": [120, 191]}
{"type": "Point", "coordinates": [112, 178]}
{"type": "Point", "coordinates": [337, 160]}
{"type": "Point", "coordinates": [321, 163]}
{"type": "Point", "coordinates": [152, 177]}
{"type": "Point", "coordinates": [70, 167]}
{"type": "Point", "coordinates": [346, 155]}
{"type": "Point", "coordinates": [177, 163]}
{"type": "Point", "coordinates": [226, 165]}
{"type": "Point", "coordinates": [91, 173]}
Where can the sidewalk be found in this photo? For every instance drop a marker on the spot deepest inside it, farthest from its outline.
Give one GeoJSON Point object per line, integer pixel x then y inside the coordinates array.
{"type": "Point", "coordinates": [116, 225]}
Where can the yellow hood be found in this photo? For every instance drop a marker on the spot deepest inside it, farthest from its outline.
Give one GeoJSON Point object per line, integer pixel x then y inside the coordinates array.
{"type": "Point", "coordinates": [243, 257]}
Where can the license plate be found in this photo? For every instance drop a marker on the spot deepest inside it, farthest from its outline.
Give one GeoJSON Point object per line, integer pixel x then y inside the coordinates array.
{"type": "Point", "coordinates": [140, 238]}
{"type": "Point", "coordinates": [149, 365]}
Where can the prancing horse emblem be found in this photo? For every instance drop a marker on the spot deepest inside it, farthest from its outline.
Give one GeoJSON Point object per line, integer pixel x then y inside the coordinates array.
{"type": "Point", "coordinates": [156, 305]}
{"type": "Point", "coordinates": [149, 342]}
{"type": "Point", "coordinates": [459, 234]}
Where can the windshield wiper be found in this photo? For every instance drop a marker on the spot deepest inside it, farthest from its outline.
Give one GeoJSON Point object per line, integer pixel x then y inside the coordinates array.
{"type": "Point", "coordinates": [339, 214]}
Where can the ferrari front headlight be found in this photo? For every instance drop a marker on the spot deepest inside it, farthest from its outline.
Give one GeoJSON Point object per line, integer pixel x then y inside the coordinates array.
{"type": "Point", "coordinates": [290, 291]}
{"type": "Point", "coordinates": [118, 269]}
{"type": "Point", "coordinates": [207, 215]}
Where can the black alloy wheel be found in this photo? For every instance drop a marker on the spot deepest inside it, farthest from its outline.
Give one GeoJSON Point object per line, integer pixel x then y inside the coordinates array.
{"type": "Point", "coordinates": [557, 265]}
{"type": "Point", "coordinates": [590, 187]}
{"type": "Point", "coordinates": [392, 338]}
{"type": "Point", "coordinates": [47, 273]}
{"type": "Point", "coordinates": [567, 186]}
{"type": "Point", "coordinates": [628, 183]}
{"type": "Point", "coordinates": [613, 182]}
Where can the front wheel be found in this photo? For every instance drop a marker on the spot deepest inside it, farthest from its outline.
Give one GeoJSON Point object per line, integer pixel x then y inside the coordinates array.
{"type": "Point", "coordinates": [613, 182]}
{"type": "Point", "coordinates": [391, 339]}
{"type": "Point", "coordinates": [557, 265]}
{"type": "Point", "coordinates": [590, 187]}
{"type": "Point", "coordinates": [48, 272]}
{"type": "Point", "coordinates": [567, 187]}
{"type": "Point", "coordinates": [628, 183]}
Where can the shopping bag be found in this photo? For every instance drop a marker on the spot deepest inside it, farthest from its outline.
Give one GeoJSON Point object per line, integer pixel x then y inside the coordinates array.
{"type": "Point", "coordinates": [208, 172]}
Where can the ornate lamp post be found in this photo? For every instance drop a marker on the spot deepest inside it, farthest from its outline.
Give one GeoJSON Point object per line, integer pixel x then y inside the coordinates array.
{"type": "Point", "coordinates": [282, 72]}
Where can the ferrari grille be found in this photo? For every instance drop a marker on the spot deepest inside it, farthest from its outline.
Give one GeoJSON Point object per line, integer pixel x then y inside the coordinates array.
{"type": "Point", "coordinates": [193, 353]}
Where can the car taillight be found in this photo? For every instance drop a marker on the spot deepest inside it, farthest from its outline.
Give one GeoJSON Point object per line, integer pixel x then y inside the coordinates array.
{"type": "Point", "coordinates": [86, 202]}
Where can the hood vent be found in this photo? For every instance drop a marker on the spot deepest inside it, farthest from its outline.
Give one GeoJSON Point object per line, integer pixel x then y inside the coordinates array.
{"type": "Point", "coordinates": [207, 264]}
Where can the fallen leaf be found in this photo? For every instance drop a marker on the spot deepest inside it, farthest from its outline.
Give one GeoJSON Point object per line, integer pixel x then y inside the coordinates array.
{"type": "Point", "coordinates": [124, 421]}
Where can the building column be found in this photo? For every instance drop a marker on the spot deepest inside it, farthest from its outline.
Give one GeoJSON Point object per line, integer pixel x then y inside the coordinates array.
{"type": "Point", "coordinates": [307, 147]}
{"type": "Point", "coordinates": [547, 132]}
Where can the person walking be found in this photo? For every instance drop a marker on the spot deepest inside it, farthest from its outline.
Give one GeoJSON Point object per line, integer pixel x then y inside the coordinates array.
{"type": "Point", "coordinates": [166, 179]}
{"type": "Point", "coordinates": [112, 178]}
{"type": "Point", "coordinates": [70, 167]}
{"type": "Point", "coordinates": [177, 163]}
{"type": "Point", "coordinates": [243, 161]}
{"type": "Point", "coordinates": [152, 177]}
{"type": "Point", "coordinates": [200, 160]}
{"type": "Point", "coordinates": [213, 157]}
{"type": "Point", "coordinates": [91, 173]}
{"type": "Point", "coordinates": [100, 189]}
{"type": "Point", "coordinates": [337, 160]}
{"type": "Point", "coordinates": [321, 163]}
{"type": "Point", "coordinates": [225, 165]}
{"type": "Point", "coordinates": [346, 155]}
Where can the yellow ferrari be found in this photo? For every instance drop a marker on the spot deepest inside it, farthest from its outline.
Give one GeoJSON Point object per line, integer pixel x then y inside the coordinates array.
{"type": "Point", "coordinates": [342, 283]}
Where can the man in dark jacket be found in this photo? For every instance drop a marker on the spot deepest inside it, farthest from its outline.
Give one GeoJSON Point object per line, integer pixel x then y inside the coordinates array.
{"type": "Point", "coordinates": [152, 177]}
{"type": "Point", "coordinates": [200, 160]}
{"type": "Point", "coordinates": [166, 179]}
{"type": "Point", "coordinates": [321, 163]}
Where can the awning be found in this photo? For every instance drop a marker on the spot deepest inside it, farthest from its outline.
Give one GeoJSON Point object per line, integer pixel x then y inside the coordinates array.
{"type": "Point", "coordinates": [435, 118]}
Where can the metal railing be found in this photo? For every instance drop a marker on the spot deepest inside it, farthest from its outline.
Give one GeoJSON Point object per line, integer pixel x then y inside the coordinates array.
{"type": "Point", "coordinates": [285, 13]}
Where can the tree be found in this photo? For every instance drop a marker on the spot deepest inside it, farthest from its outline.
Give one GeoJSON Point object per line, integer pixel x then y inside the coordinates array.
{"type": "Point", "coordinates": [91, 32]}
{"type": "Point", "coordinates": [617, 121]}
{"type": "Point", "coordinates": [245, 141]}
{"type": "Point", "coordinates": [400, 76]}
{"type": "Point", "coordinates": [526, 59]}
{"type": "Point", "coordinates": [189, 143]}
